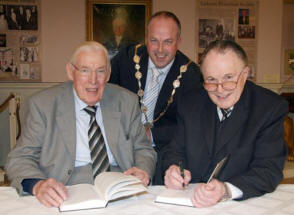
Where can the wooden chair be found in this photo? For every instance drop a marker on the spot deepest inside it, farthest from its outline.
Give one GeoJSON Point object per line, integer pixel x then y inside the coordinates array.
{"type": "Point", "coordinates": [289, 137]}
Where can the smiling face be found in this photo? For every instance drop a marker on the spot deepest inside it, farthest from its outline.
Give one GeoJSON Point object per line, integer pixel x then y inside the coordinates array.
{"type": "Point", "coordinates": [162, 40]}
{"type": "Point", "coordinates": [222, 67]}
{"type": "Point", "coordinates": [89, 87]}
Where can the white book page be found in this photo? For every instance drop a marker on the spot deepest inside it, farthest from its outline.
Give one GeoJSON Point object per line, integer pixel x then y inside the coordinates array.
{"type": "Point", "coordinates": [82, 196]}
{"type": "Point", "coordinates": [128, 191]}
{"type": "Point", "coordinates": [177, 197]}
{"type": "Point", "coordinates": [109, 183]}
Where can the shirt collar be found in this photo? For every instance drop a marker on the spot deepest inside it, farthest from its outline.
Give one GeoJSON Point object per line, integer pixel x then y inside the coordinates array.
{"type": "Point", "coordinates": [163, 70]}
{"type": "Point", "coordinates": [220, 114]}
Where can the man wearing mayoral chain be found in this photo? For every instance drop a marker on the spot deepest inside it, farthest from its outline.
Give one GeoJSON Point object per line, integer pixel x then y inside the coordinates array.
{"type": "Point", "coordinates": [159, 73]}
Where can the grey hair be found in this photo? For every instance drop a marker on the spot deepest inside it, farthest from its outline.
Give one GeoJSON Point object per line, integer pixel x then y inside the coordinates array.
{"type": "Point", "coordinates": [88, 46]}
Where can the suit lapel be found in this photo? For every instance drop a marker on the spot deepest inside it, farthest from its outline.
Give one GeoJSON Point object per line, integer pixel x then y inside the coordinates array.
{"type": "Point", "coordinates": [208, 118]}
{"type": "Point", "coordinates": [65, 119]}
{"type": "Point", "coordinates": [144, 66]}
{"type": "Point", "coordinates": [111, 119]}
{"type": "Point", "coordinates": [236, 120]}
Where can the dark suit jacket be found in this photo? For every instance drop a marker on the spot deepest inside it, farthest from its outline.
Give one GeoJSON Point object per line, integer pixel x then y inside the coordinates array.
{"type": "Point", "coordinates": [252, 136]}
{"type": "Point", "coordinates": [123, 74]}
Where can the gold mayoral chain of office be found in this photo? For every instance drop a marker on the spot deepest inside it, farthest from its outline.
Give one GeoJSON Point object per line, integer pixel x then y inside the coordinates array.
{"type": "Point", "coordinates": [140, 93]}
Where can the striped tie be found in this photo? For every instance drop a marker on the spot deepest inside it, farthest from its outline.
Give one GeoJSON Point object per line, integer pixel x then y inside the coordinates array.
{"type": "Point", "coordinates": [152, 94]}
{"type": "Point", "coordinates": [100, 162]}
{"type": "Point", "coordinates": [226, 113]}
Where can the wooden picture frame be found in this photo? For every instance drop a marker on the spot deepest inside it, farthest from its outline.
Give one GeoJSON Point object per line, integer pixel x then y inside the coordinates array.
{"type": "Point", "coordinates": [116, 23]}
{"type": "Point", "coordinates": [289, 62]}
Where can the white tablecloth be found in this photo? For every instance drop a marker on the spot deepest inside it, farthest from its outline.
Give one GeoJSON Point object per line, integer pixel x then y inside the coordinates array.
{"type": "Point", "coordinates": [280, 202]}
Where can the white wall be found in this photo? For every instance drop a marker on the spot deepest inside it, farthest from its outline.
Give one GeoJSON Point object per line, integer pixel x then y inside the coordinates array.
{"type": "Point", "coordinates": [269, 41]}
{"type": "Point", "coordinates": [64, 26]}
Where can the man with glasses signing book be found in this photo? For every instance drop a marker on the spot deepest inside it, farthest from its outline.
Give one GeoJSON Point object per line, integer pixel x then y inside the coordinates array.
{"type": "Point", "coordinates": [79, 129]}
{"type": "Point", "coordinates": [230, 118]}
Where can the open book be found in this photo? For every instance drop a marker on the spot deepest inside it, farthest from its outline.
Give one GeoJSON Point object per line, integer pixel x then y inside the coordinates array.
{"type": "Point", "coordinates": [183, 197]}
{"type": "Point", "coordinates": [177, 197]}
{"type": "Point", "coordinates": [107, 186]}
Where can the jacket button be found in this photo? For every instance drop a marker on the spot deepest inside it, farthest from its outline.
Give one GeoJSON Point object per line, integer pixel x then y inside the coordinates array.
{"type": "Point", "coordinates": [69, 172]}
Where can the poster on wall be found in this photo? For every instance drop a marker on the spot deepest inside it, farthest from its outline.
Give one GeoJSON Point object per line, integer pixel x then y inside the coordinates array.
{"type": "Point", "coordinates": [228, 19]}
{"type": "Point", "coordinates": [20, 41]}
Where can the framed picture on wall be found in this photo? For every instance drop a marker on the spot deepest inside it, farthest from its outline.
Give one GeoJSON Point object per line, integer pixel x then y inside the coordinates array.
{"type": "Point", "coordinates": [117, 23]}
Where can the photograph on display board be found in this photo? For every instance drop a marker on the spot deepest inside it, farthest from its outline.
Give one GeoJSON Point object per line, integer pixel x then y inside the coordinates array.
{"type": "Point", "coordinates": [243, 16]}
{"type": "Point", "coordinates": [19, 41]}
{"type": "Point", "coordinates": [215, 29]}
{"type": "Point", "coordinates": [246, 32]}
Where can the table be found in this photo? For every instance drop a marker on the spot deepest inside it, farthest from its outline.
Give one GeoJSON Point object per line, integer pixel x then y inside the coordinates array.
{"type": "Point", "coordinates": [280, 202]}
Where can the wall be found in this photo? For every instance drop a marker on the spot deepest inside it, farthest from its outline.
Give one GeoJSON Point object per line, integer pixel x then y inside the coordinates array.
{"type": "Point", "coordinates": [186, 12]}
{"type": "Point", "coordinates": [63, 27]}
{"type": "Point", "coordinates": [269, 41]}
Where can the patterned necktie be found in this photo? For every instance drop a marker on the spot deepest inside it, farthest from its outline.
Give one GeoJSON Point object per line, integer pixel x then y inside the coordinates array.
{"type": "Point", "coordinates": [100, 162]}
{"type": "Point", "coordinates": [226, 113]}
{"type": "Point", "coordinates": [152, 94]}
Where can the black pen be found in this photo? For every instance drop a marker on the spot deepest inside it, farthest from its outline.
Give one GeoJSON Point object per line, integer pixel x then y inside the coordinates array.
{"type": "Point", "coordinates": [182, 172]}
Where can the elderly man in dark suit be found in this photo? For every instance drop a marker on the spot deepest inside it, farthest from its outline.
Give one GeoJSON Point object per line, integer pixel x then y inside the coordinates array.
{"type": "Point", "coordinates": [159, 74]}
{"type": "Point", "coordinates": [78, 129]}
{"type": "Point", "coordinates": [232, 118]}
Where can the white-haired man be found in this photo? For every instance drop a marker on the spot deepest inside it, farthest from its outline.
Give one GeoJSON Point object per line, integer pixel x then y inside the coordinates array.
{"type": "Point", "coordinates": [62, 143]}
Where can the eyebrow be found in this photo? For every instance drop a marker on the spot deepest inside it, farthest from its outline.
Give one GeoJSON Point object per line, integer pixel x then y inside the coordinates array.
{"type": "Point", "coordinates": [100, 67]}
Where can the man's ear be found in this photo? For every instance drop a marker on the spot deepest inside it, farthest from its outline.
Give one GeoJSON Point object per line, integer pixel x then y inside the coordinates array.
{"type": "Point", "coordinates": [179, 40]}
{"type": "Point", "coordinates": [108, 75]}
{"type": "Point", "coordinates": [246, 72]}
{"type": "Point", "coordinates": [69, 71]}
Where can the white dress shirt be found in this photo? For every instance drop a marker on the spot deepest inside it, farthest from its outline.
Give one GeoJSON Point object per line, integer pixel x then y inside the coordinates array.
{"type": "Point", "coordinates": [83, 156]}
{"type": "Point", "coordinates": [164, 71]}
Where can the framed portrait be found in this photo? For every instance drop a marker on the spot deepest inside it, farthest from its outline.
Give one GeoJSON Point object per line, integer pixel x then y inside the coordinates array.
{"type": "Point", "coordinates": [117, 23]}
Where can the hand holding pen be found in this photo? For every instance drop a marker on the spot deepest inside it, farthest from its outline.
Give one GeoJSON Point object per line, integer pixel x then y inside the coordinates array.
{"type": "Point", "coordinates": [181, 166]}
{"type": "Point", "coordinates": [176, 177]}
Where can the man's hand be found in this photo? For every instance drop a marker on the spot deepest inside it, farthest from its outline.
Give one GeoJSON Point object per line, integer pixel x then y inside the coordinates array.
{"type": "Point", "coordinates": [139, 173]}
{"type": "Point", "coordinates": [50, 192]}
{"type": "Point", "coordinates": [173, 178]}
{"type": "Point", "coordinates": [206, 195]}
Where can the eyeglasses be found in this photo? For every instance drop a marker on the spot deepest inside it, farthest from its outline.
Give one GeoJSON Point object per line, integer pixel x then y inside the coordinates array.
{"type": "Point", "coordinates": [227, 85]}
{"type": "Point", "coordinates": [87, 71]}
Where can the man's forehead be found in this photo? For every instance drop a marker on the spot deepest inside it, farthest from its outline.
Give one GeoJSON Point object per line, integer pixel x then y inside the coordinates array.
{"type": "Point", "coordinates": [85, 54]}
{"type": "Point", "coordinates": [219, 75]}
{"type": "Point", "coordinates": [215, 61]}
